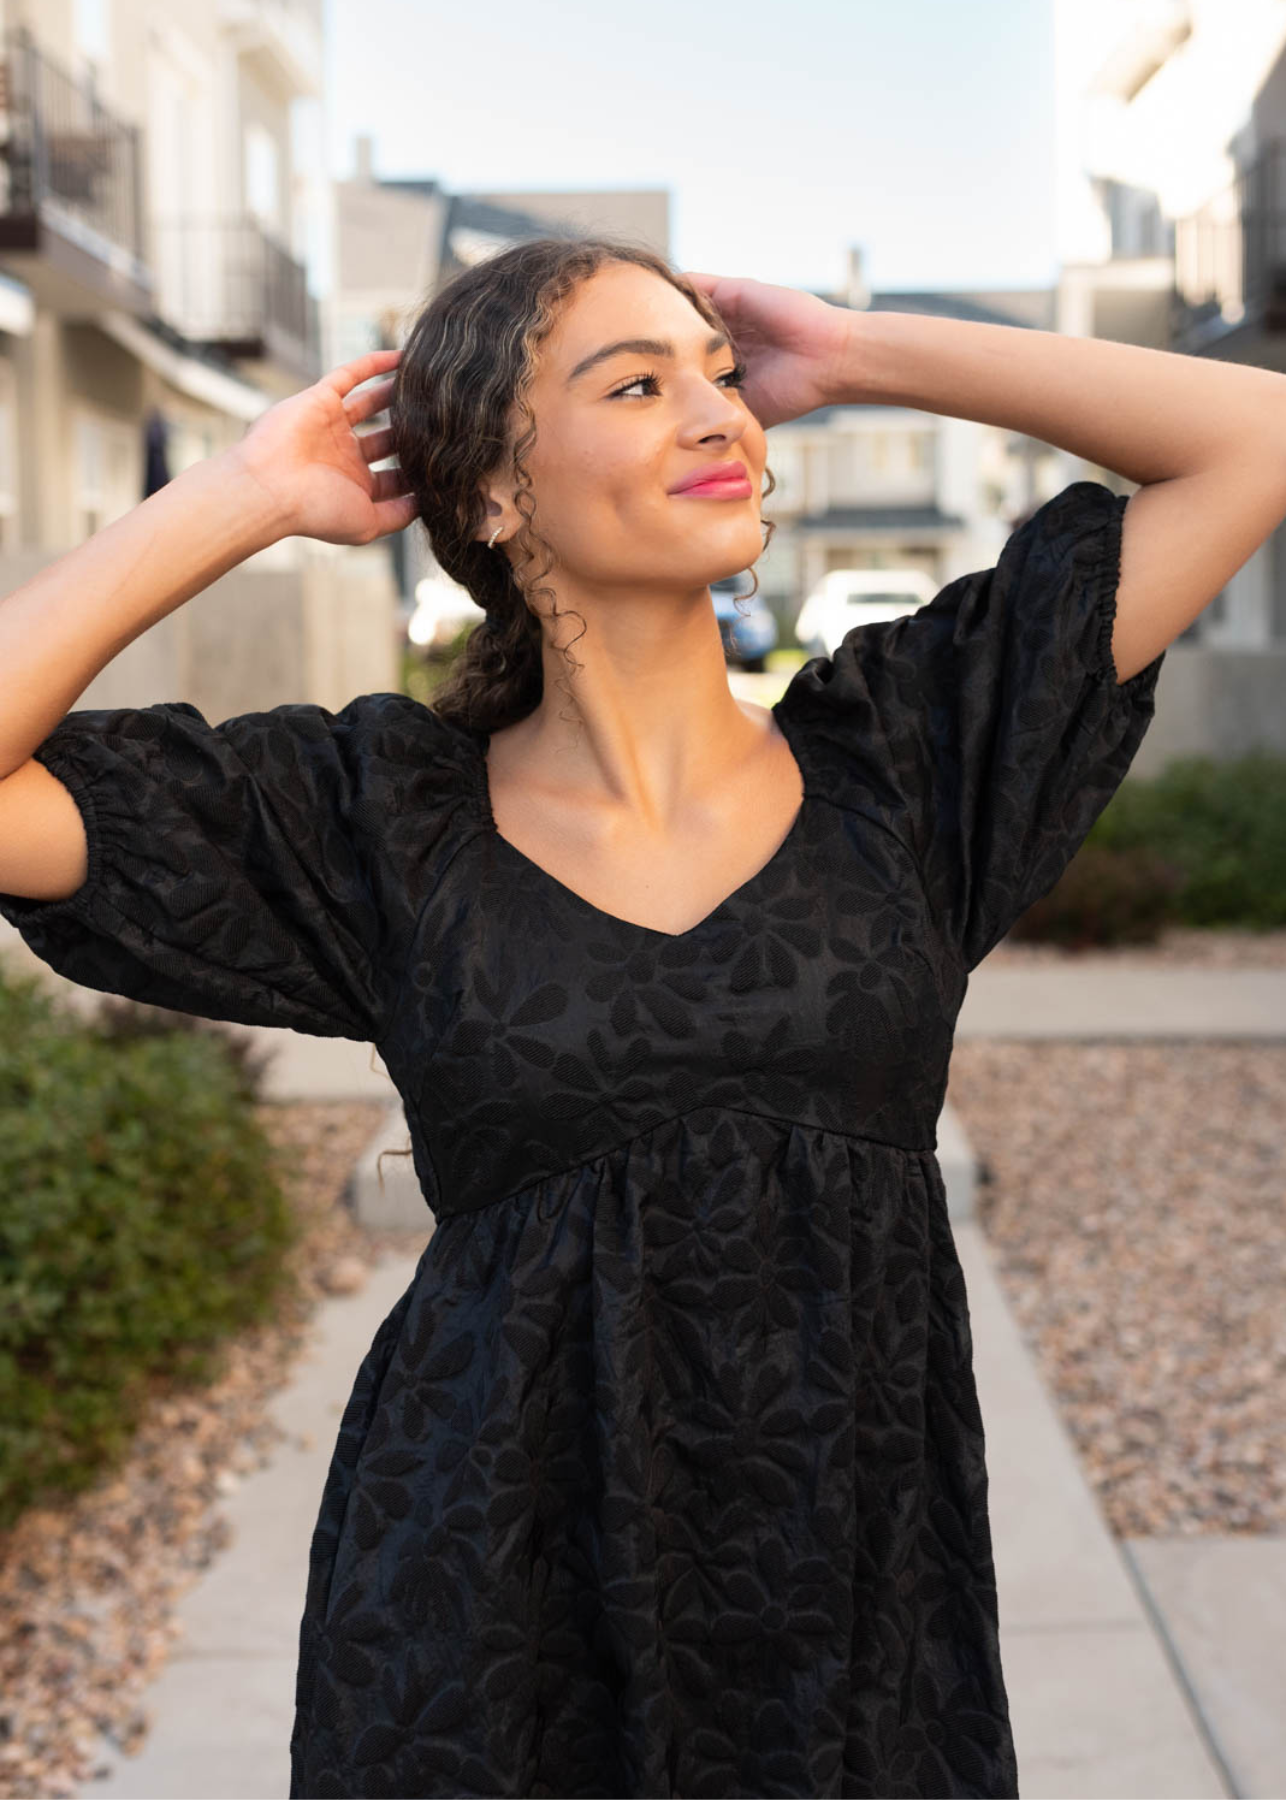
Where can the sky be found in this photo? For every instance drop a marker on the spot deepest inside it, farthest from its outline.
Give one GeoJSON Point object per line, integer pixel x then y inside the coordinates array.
{"type": "Point", "coordinates": [921, 130]}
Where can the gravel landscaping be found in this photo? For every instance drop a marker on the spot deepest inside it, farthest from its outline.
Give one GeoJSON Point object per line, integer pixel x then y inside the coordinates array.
{"type": "Point", "coordinates": [1134, 1201]}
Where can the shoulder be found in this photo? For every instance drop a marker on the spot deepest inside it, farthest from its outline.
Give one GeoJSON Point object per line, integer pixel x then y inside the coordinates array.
{"type": "Point", "coordinates": [408, 761]}
{"type": "Point", "coordinates": [399, 732]}
{"type": "Point", "coordinates": [380, 763]}
{"type": "Point", "coordinates": [375, 730]}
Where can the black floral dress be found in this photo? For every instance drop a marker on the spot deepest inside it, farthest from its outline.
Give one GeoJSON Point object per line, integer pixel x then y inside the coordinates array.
{"type": "Point", "coordinates": [665, 1475]}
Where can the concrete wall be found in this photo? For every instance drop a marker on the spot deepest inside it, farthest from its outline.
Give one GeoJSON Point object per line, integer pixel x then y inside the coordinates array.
{"type": "Point", "coordinates": [258, 637]}
{"type": "Point", "coordinates": [1214, 702]}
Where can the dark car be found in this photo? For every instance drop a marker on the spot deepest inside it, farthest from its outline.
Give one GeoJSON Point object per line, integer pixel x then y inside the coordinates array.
{"type": "Point", "coordinates": [748, 629]}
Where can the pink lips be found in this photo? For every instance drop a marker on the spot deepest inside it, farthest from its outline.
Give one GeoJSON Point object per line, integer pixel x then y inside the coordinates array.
{"type": "Point", "coordinates": [727, 481]}
{"type": "Point", "coordinates": [716, 490]}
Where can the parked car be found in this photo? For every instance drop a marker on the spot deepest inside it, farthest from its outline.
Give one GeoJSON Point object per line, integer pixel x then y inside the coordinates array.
{"type": "Point", "coordinates": [748, 632]}
{"type": "Point", "coordinates": [848, 597]}
{"type": "Point", "coordinates": [442, 608]}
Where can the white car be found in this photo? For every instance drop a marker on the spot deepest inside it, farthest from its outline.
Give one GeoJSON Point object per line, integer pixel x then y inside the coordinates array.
{"type": "Point", "coordinates": [848, 597]}
{"type": "Point", "coordinates": [442, 608]}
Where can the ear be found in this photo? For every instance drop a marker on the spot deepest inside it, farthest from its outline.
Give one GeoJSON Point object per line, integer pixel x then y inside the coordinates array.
{"type": "Point", "coordinates": [497, 513]}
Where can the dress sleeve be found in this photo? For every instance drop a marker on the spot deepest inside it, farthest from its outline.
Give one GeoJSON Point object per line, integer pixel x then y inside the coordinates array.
{"type": "Point", "coordinates": [998, 716]}
{"type": "Point", "coordinates": [230, 870]}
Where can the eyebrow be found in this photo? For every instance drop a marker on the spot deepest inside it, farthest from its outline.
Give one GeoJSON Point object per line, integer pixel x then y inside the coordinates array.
{"type": "Point", "coordinates": [641, 347]}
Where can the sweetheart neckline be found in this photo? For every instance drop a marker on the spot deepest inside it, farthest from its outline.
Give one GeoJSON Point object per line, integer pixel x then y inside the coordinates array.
{"type": "Point", "coordinates": [480, 741]}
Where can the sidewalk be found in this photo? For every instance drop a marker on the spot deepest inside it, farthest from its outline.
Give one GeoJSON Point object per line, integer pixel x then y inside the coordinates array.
{"type": "Point", "coordinates": [1149, 1670]}
{"type": "Point", "coordinates": [222, 1708]}
{"type": "Point", "coordinates": [1096, 997]}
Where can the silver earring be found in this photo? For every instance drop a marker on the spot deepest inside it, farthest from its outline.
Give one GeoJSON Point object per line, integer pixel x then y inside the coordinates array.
{"type": "Point", "coordinates": [492, 539]}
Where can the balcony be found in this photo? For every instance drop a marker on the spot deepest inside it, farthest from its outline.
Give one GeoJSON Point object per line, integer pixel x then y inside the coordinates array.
{"type": "Point", "coordinates": [1230, 268]}
{"type": "Point", "coordinates": [228, 285]}
{"type": "Point", "coordinates": [280, 39]}
{"type": "Point", "coordinates": [71, 206]}
{"type": "Point", "coordinates": [70, 188]}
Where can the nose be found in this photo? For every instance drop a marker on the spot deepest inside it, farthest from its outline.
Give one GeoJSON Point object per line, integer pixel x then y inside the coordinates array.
{"type": "Point", "coordinates": [716, 417]}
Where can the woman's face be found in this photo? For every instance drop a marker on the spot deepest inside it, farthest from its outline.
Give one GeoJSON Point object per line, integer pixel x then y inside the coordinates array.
{"type": "Point", "coordinates": [610, 446]}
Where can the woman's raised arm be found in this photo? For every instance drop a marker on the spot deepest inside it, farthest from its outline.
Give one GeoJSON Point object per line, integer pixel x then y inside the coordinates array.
{"type": "Point", "coordinates": [1206, 439]}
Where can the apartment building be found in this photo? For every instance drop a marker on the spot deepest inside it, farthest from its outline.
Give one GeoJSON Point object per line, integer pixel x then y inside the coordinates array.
{"type": "Point", "coordinates": [162, 189]}
{"type": "Point", "coordinates": [1172, 234]}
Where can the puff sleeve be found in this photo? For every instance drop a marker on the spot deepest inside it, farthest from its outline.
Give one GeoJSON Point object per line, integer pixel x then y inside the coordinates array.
{"type": "Point", "coordinates": [231, 867]}
{"type": "Point", "coordinates": [998, 716]}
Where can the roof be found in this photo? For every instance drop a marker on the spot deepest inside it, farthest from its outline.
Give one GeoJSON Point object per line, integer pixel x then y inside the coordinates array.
{"type": "Point", "coordinates": [943, 305]}
{"type": "Point", "coordinates": [927, 302]}
{"type": "Point", "coordinates": [879, 518]}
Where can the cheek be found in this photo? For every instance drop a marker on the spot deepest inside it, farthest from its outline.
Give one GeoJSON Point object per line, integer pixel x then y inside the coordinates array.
{"type": "Point", "coordinates": [596, 494]}
{"type": "Point", "coordinates": [612, 477]}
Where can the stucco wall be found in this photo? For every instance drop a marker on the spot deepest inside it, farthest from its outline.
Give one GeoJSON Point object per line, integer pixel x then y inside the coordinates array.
{"type": "Point", "coordinates": [257, 637]}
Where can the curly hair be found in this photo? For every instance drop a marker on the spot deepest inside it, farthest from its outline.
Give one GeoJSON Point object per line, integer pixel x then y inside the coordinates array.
{"type": "Point", "coordinates": [466, 367]}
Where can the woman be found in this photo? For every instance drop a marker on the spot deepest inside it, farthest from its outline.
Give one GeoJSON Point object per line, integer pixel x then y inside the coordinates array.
{"type": "Point", "coordinates": [666, 1474]}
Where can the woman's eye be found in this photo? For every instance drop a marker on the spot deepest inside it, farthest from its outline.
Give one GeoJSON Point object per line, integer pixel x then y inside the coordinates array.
{"type": "Point", "coordinates": [735, 376]}
{"type": "Point", "coordinates": [638, 381]}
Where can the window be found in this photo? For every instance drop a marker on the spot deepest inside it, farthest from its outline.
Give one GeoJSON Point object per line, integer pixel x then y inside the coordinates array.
{"type": "Point", "coordinates": [91, 29]}
{"type": "Point", "coordinates": [261, 175]}
{"type": "Point", "coordinates": [1137, 225]}
{"type": "Point", "coordinates": [356, 334]}
{"type": "Point", "coordinates": [108, 477]}
{"type": "Point", "coordinates": [786, 461]}
{"type": "Point", "coordinates": [188, 444]}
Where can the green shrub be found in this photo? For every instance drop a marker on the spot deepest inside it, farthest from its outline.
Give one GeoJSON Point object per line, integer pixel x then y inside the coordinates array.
{"type": "Point", "coordinates": [1105, 896]}
{"type": "Point", "coordinates": [142, 1222]}
{"type": "Point", "coordinates": [1223, 824]}
{"type": "Point", "coordinates": [120, 1020]}
{"type": "Point", "coordinates": [423, 671]}
{"type": "Point", "coordinates": [1202, 844]}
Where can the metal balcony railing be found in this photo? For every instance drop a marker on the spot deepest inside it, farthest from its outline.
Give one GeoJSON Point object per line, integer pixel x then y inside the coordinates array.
{"type": "Point", "coordinates": [1230, 255]}
{"type": "Point", "coordinates": [228, 283]}
{"type": "Point", "coordinates": [64, 156]}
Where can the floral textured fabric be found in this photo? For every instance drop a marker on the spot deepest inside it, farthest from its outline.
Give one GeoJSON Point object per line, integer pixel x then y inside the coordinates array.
{"type": "Point", "coordinates": [665, 1475]}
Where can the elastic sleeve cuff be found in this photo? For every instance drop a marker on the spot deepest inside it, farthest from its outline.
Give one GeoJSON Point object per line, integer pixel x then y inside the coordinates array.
{"type": "Point", "coordinates": [1141, 685]}
{"type": "Point", "coordinates": [19, 908]}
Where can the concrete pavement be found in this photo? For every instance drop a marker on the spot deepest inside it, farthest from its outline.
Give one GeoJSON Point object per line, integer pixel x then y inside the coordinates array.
{"type": "Point", "coordinates": [1095, 997]}
{"type": "Point", "coordinates": [223, 1705]}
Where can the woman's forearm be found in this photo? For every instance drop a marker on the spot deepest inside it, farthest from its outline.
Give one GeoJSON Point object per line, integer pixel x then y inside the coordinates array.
{"type": "Point", "coordinates": [1148, 415]}
{"type": "Point", "coordinates": [58, 630]}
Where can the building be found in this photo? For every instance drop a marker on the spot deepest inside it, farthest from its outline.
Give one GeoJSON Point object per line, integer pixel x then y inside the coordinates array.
{"type": "Point", "coordinates": [158, 251]}
{"type": "Point", "coordinates": [1172, 232]}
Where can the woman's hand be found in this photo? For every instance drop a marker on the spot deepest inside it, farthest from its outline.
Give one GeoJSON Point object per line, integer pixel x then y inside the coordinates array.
{"type": "Point", "coordinates": [305, 454]}
{"type": "Point", "coordinates": [797, 348]}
